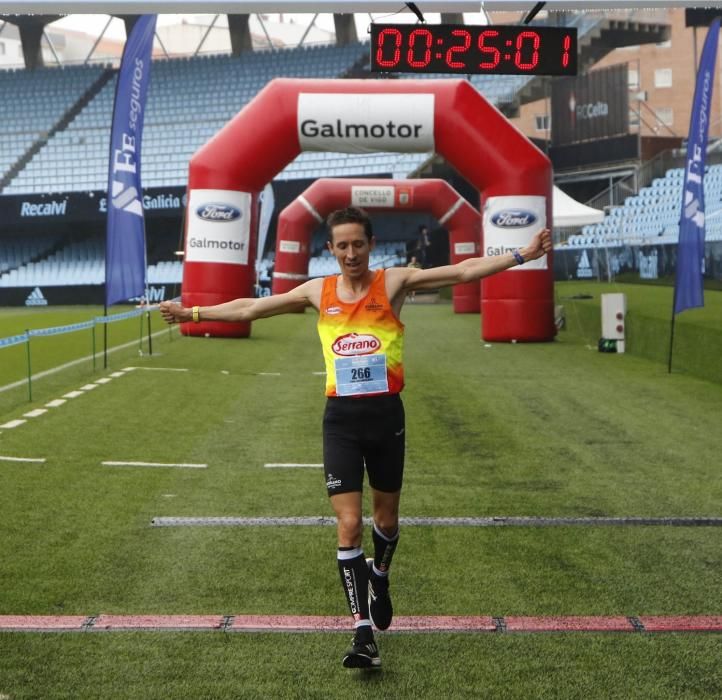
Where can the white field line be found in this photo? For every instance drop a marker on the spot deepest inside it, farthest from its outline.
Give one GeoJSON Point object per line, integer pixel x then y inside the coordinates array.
{"type": "Point", "coordinates": [289, 465]}
{"type": "Point", "coordinates": [72, 363]}
{"type": "Point", "coordinates": [88, 387]}
{"type": "Point", "coordinates": [155, 464]}
{"type": "Point", "coordinates": [73, 394]}
{"type": "Point", "coordinates": [34, 460]}
{"type": "Point", "coordinates": [268, 374]}
{"type": "Point", "coordinates": [13, 423]}
{"type": "Point", "coordinates": [35, 413]}
{"type": "Point", "coordinates": [103, 380]}
{"type": "Point", "coordinates": [55, 403]}
{"type": "Point", "coordinates": [117, 374]}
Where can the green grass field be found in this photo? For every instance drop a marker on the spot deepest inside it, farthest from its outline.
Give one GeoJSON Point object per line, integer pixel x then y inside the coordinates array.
{"type": "Point", "coordinates": [697, 336]}
{"type": "Point", "coordinates": [550, 429]}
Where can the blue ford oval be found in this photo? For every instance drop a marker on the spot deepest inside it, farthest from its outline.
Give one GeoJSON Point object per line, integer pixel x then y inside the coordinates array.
{"type": "Point", "coordinates": [217, 211]}
{"type": "Point", "coordinates": [513, 218]}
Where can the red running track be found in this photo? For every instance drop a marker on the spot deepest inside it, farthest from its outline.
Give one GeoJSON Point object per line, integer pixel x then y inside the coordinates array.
{"type": "Point", "coordinates": [300, 623]}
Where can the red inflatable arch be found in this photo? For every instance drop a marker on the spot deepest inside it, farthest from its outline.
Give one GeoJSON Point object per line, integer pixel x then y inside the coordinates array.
{"type": "Point", "coordinates": [297, 222]}
{"type": "Point", "coordinates": [364, 116]}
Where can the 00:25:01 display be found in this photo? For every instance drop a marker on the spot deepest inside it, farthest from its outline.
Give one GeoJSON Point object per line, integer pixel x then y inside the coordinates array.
{"type": "Point", "coordinates": [524, 56]}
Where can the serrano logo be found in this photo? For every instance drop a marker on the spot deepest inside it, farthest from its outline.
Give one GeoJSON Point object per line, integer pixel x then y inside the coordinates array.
{"type": "Point", "coordinates": [217, 211]}
{"type": "Point", "coordinates": [513, 218]}
{"type": "Point", "coordinates": [333, 310]}
{"type": "Point", "coordinates": [356, 344]}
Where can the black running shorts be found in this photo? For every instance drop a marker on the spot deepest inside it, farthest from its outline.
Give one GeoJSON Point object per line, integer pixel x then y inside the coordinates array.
{"type": "Point", "coordinates": [367, 431]}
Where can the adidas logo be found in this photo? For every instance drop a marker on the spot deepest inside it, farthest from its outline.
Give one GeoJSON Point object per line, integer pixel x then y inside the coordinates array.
{"type": "Point", "coordinates": [584, 269]}
{"type": "Point", "coordinates": [36, 298]}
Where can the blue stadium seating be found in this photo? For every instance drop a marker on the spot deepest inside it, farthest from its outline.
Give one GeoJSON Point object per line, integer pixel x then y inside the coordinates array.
{"type": "Point", "coordinates": [33, 102]}
{"type": "Point", "coordinates": [24, 264]}
{"type": "Point", "coordinates": [652, 216]}
{"type": "Point", "coordinates": [189, 100]}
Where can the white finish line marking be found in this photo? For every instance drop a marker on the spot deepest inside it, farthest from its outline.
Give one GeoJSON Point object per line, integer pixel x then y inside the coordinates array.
{"type": "Point", "coordinates": [117, 374]}
{"type": "Point", "coordinates": [35, 413]}
{"type": "Point", "coordinates": [155, 464]}
{"type": "Point", "coordinates": [72, 394]}
{"type": "Point", "coordinates": [88, 387]}
{"type": "Point", "coordinates": [13, 423]}
{"type": "Point", "coordinates": [55, 403]}
{"type": "Point", "coordinates": [103, 380]}
{"type": "Point", "coordinates": [289, 465]}
{"type": "Point", "coordinates": [34, 460]}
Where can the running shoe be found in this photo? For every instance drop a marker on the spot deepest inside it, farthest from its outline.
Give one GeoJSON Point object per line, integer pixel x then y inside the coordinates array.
{"type": "Point", "coordinates": [363, 652]}
{"type": "Point", "coordinates": [380, 606]}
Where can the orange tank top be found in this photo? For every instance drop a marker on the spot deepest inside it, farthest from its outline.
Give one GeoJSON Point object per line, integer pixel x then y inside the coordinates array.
{"type": "Point", "coordinates": [362, 341]}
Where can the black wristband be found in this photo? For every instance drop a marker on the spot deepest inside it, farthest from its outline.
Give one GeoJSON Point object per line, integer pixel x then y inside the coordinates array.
{"type": "Point", "coordinates": [518, 256]}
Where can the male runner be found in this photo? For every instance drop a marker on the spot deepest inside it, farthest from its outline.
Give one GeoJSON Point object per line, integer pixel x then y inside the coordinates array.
{"type": "Point", "coordinates": [363, 425]}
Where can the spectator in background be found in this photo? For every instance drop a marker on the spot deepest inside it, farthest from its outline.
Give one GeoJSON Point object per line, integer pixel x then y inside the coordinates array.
{"type": "Point", "coordinates": [424, 243]}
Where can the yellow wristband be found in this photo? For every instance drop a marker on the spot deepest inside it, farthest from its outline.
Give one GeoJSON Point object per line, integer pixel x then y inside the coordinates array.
{"type": "Point", "coordinates": [196, 314]}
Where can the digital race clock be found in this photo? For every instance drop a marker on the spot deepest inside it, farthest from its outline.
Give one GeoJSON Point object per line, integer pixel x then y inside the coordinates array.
{"type": "Point", "coordinates": [460, 48]}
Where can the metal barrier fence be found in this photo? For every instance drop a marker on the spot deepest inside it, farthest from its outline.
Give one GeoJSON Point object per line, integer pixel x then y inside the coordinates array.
{"type": "Point", "coordinates": [24, 338]}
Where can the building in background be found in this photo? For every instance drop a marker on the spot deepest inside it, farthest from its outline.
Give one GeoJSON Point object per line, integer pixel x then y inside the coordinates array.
{"type": "Point", "coordinates": [661, 83]}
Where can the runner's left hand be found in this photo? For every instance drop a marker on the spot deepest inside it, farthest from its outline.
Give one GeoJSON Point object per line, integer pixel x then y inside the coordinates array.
{"type": "Point", "coordinates": [540, 245]}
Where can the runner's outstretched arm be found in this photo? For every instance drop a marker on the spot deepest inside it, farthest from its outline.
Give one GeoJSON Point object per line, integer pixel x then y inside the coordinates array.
{"type": "Point", "coordinates": [247, 309]}
{"type": "Point", "coordinates": [474, 268]}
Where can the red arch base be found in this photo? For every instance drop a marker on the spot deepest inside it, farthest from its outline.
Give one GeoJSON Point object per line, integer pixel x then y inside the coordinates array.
{"type": "Point", "coordinates": [360, 116]}
{"type": "Point", "coordinates": [299, 219]}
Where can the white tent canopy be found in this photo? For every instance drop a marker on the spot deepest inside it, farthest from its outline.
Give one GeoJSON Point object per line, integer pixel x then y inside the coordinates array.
{"type": "Point", "coordinates": [568, 212]}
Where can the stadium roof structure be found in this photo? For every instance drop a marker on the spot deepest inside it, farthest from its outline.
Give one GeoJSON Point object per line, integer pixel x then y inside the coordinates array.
{"type": "Point", "coordinates": [339, 6]}
{"type": "Point", "coordinates": [234, 6]}
{"type": "Point", "coordinates": [563, 5]}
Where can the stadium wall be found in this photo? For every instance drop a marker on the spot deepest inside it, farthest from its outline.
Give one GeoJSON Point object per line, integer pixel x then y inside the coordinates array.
{"type": "Point", "coordinates": [75, 295]}
{"type": "Point", "coordinates": [49, 210]}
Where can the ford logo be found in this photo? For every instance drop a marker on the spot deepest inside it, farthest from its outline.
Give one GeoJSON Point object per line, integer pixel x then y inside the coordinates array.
{"type": "Point", "coordinates": [513, 218]}
{"type": "Point", "coordinates": [217, 211]}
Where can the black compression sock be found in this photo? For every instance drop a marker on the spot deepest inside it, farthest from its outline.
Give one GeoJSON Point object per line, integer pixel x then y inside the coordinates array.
{"type": "Point", "coordinates": [384, 548]}
{"type": "Point", "coordinates": [355, 580]}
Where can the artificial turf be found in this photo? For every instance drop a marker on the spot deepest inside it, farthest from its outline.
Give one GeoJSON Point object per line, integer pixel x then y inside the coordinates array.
{"type": "Point", "coordinates": [551, 429]}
